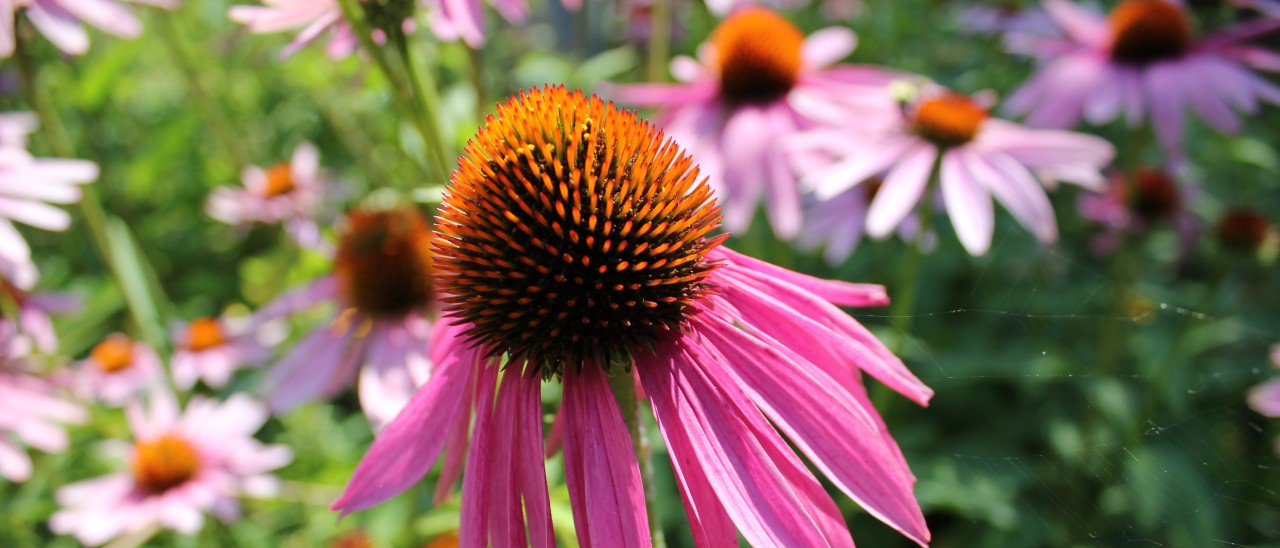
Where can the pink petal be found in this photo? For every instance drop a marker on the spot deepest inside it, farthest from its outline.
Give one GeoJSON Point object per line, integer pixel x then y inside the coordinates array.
{"type": "Point", "coordinates": [828, 46]}
{"type": "Point", "coordinates": [406, 449]}
{"type": "Point", "coordinates": [968, 205]}
{"type": "Point", "coordinates": [902, 190]}
{"type": "Point", "coordinates": [60, 27]}
{"type": "Point", "coordinates": [838, 434]}
{"type": "Point", "coordinates": [600, 465]}
{"type": "Point", "coordinates": [834, 291]}
{"type": "Point", "coordinates": [1265, 398]}
{"type": "Point", "coordinates": [706, 419]}
{"type": "Point", "coordinates": [1014, 186]}
{"type": "Point", "coordinates": [477, 485]}
{"type": "Point", "coordinates": [1087, 27]}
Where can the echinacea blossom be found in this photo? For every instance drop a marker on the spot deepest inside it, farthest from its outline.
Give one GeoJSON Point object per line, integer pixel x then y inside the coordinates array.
{"type": "Point", "coordinates": [32, 408]}
{"type": "Point", "coordinates": [758, 79]}
{"type": "Point", "coordinates": [1243, 230]}
{"type": "Point", "coordinates": [33, 312]}
{"type": "Point", "coordinates": [576, 242]}
{"type": "Point", "coordinates": [287, 194]}
{"type": "Point", "coordinates": [1143, 60]}
{"type": "Point", "coordinates": [1132, 204]}
{"type": "Point", "coordinates": [381, 286]}
{"type": "Point", "coordinates": [314, 17]}
{"type": "Point", "coordinates": [181, 466]}
{"type": "Point", "coordinates": [117, 371]}
{"type": "Point", "coordinates": [974, 156]}
{"type": "Point", "coordinates": [211, 349]}
{"type": "Point", "coordinates": [27, 186]}
{"type": "Point", "coordinates": [62, 21]}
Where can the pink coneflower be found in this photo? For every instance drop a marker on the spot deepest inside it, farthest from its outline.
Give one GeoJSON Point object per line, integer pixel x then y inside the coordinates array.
{"type": "Point", "coordinates": [61, 21]}
{"type": "Point", "coordinates": [34, 310]}
{"type": "Point", "coordinates": [32, 408]}
{"type": "Point", "coordinates": [759, 79]}
{"type": "Point", "coordinates": [314, 17]}
{"type": "Point", "coordinates": [210, 349]}
{"type": "Point", "coordinates": [180, 467]}
{"type": "Point", "coordinates": [976, 156]}
{"type": "Point", "coordinates": [381, 284]}
{"type": "Point", "coordinates": [27, 186]}
{"type": "Point", "coordinates": [575, 242]}
{"type": "Point", "coordinates": [287, 193]}
{"type": "Point", "coordinates": [1134, 204]}
{"type": "Point", "coordinates": [1143, 59]}
{"type": "Point", "coordinates": [117, 370]}
{"type": "Point", "coordinates": [1243, 230]}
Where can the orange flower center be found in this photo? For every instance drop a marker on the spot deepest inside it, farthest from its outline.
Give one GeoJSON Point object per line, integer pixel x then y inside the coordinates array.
{"type": "Point", "coordinates": [1155, 195]}
{"type": "Point", "coordinates": [204, 333]}
{"type": "Point", "coordinates": [948, 120]}
{"type": "Point", "coordinates": [573, 233]}
{"type": "Point", "coordinates": [758, 54]}
{"type": "Point", "coordinates": [165, 463]}
{"type": "Point", "coordinates": [1242, 229]}
{"type": "Point", "coordinates": [384, 262]}
{"type": "Point", "coordinates": [279, 180]}
{"type": "Point", "coordinates": [113, 355]}
{"type": "Point", "coordinates": [447, 540]}
{"type": "Point", "coordinates": [1145, 31]}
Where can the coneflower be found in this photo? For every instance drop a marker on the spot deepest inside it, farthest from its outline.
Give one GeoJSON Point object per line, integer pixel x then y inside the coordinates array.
{"type": "Point", "coordinates": [576, 241]}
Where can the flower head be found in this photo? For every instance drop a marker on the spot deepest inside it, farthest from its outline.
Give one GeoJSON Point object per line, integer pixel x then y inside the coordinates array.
{"type": "Point", "coordinates": [211, 349]}
{"type": "Point", "coordinates": [1134, 203]}
{"type": "Point", "coordinates": [758, 79]}
{"type": "Point", "coordinates": [27, 186]}
{"type": "Point", "coordinates": [1145, 60]}
{"type": "Point", "coordinates": [382, 287]}
{"type": "Point", "coordinates": [117, 370]}
{"type": "Point", "coordinates": [181, 466]}
{"type": "Point", "coordinates": [1243, 230]}
{"type": "Point", "coordinates": [974, 155]}
{"type": "Point", "coordinates": [584, 226]}
{"type": "Point", "coordinates": [32, 408]}
{"type": "Point", "coordinates": [288, 193]}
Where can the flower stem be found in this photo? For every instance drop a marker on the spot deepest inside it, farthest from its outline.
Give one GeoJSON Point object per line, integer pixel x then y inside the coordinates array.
{"type": "Point", "coordinates": [624, 389]}
{"type": "Point", "coordinates": [659, 39]}
{"type": "Point", "coordinates": [905, 301]}
{"type": "Point", "coordinates": [409, 87]}
{"type": "Point", "coordinates": [204, 102]}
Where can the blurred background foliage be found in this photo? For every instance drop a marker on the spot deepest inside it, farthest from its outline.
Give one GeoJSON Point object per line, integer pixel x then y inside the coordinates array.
{"type": "Point", "coordinates": [1042, 432]}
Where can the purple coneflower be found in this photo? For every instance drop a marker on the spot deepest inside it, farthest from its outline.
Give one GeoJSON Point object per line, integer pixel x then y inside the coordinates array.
{"type": "Point", "coordinates": [758, 79]}
{"type": "Point", "coordinates": [975, 156]}
{"type": "Point", "coordinates": [211, 349]}
{"type": "Point", "coordinates": [575, 241]}
{"type": "Point", "coordinates": [181, 466]}
{"type": "Point", "coordinates": [27, 186]}
{"type": "Point", "coordinates": [32, 408]}
{"type": "Point", "coordinates": [286, 194]}
{"type": "Point", "coordinates": [1135, 203]}
{"type": "Point", "coordinates": [314, 17]}
{"type": "Point", "coordinates": [118, 370]}
{"type": "Point", "coordinates": [61, 21]}
{"type": "Point", "coordinates": [1144, 60]}
{"type": "Point", "coordinates": [381, 284]}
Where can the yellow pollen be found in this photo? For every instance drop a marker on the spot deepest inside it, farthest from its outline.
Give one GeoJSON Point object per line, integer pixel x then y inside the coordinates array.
{"type": "Point", "coordinates": [164, 463]}
{"type": "Point", "coordinates": [948, 120]}
{"type": "Point", "coordinates": [113, 355]}
{"type": "Point", "coordinates": [758, 54]}
{"type": "Point", "coordinates": [204, 333]}
{"type": "Point", "coordinates": [279, 180]}
{"type": "Point", "coordinates": [1145, 31]}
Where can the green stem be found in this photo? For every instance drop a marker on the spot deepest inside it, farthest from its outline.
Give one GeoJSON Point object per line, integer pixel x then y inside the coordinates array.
{"type": "Point", "coordinates": [405, 83]}
{"type": "Point", "coordinates": [624, 389]}
{"type": "Point", "coordinates": [204, 102]}
{"type": "Point", "coordinates": [95, 215]}
{"type": "Point", "coordinates": [659, 39]}
{"type": "Point", "coordinates": [423, 85]}
{"type": "Point", "coordinates": [905, 301]}
{"type": "Point", "coordinates": [353, 137]}
{"type": "Point", "coordinates": [477, 82]}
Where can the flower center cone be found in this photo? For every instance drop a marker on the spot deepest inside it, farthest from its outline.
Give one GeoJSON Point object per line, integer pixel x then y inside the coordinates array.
{"type": "Point", "coordinates": [758, 54]}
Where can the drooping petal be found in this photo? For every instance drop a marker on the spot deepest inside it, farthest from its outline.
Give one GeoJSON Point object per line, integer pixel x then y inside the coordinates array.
{"type": "Point", "coordinates": [968, 205]}
{"type": "Point", "coordinates": [711, 428]}
{"type": "Point", "coordinates": [407, 448]}
{"type": "Point", "coordinates": [600, 466]}
{"type": "Point", "coordinates": [837, 433]}
{"type": "Point", "coordinates": [902, 190]}
{"type": "Point", "coordinates": [837, 292]}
